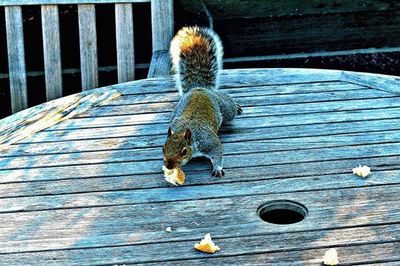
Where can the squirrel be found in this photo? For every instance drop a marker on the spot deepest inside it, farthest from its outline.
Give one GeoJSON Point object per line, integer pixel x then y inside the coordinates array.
{"type": "Point", "coordinates": [196, 55]}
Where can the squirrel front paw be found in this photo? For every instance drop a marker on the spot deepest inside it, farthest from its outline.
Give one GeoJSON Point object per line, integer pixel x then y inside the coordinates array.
{"type": "Point", "coordinates": [218, 173]}
{"type": "Point", "coordinates": [239, 109]}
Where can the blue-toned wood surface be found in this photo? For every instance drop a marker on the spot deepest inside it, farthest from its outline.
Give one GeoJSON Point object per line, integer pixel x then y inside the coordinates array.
{"type": "Point", "coordinates": [90, 190]}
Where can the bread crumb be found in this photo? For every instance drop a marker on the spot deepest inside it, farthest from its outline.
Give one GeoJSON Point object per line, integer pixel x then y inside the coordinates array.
{"type": "Point", "coordinates": [168, 229]}
{"type": "Point", "coordinates": [331, 257]}
{"type": "Point", "coordinates": [206, 245]}
{"type": "Point", "coordinates": [175, 176]}
{"type": "Point", "coordinates": [363, 171]}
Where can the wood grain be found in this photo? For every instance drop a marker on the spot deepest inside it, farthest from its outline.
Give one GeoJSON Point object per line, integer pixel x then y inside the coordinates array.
{"type": "Point", "coordinates": [273, 119]}
{"type": "Point", "coordinates": [88, 46]}
{"type": "Point", "coordinates": [162, 24]}
{"type": "Point", "coordinates": [293, 34]}
{"type": "Point", "coordinates": [382, 254]}
{"type": "Point", "coordinates": [162, 193]}
{"type": "Point", "coordinates": [160, 64]}
{"type": "Point", "coordinates": [245, 77]}
{"type": "Point", "coordinates": [166, 107]}
{"type": "Point", "coordinates": [90, 190]}
{"type": "Point", "coordinates": [380, 82]}
{"type": "Point", "coordinates": [52, 51]}
{"type": "Point", "coordinates": [255, 9]}
{"type": "Point", "coordinates": [324, 226]}
{"type": "Point", "coordinates": [30, 121]}
{"type": "Point", "coordinates": [249, 158]}
{"type": "Point", "coordinates": [147, 152]}
{"type": "Point", "coordinates": [137, 137]}
{"type": "Point", "coordinates": [125, 42]}
{"type": "Point", "coordinates": [16, 58]}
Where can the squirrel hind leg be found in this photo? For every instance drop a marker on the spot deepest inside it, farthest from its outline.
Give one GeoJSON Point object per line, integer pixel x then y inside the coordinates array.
{"type": "Point", "coordinates": [227, 106]}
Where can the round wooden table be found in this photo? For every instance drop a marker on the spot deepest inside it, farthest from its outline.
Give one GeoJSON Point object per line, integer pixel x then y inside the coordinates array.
{"type": "Point", "coordinates": [81, 180]}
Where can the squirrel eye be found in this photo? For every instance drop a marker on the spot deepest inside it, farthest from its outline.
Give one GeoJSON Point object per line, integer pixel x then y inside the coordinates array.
{"type": "Point", "coordinates": [184, 152]}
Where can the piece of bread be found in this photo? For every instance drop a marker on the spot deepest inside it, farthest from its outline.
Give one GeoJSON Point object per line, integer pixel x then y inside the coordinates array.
{"type": "Point", "coordinates": [175, 176]}
{"type": "Point", "coordinates": [331, 257]}
{"type": "Point", "coordinates": [206, 245]}
{"type": "Point", "coordinates": [363, 171]}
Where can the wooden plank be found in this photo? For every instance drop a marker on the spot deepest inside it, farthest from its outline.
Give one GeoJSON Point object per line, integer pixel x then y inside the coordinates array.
{"type": "Point", "coordinates": [162, 23]}
{"type": "Point", "coordinates": [134, 137]}
{"type": "Point", "coordinates": [16, 58]}
{"type": "Point", "coordinates": [250, 121]}
{"type": "Point", "coordinates": [357, 251]}
{"type": "Point", "coordinates": [85, 143]}
{"type": "Point", "coordinates": [151, 159]}
{"type": "Point", "coordinates": [242, 77]}
{"type": "Point", "coordinates": [384, 254]}
{"type": "Point", "coordinates": [255, 9]}
{"type": "Point", "coordinates": [30, 121]}
{"type": "Point", "coordinates": [151, 153]}
{"type": "Point", "coordinates": [337, 170]}
{"type": "Point", "coordinates": [154, 86]}
{"type": "Point", "coordinates": [152, 118]}
{"type": "Point", "coordinates": [256, 107]}
{"type": "Point", "coordinates": [52, 51]}
{"type": "Point", "coordinates": [327, 224]}
{"type": "Point", "coordinates": [66, 2]}
{"type": "Point", "coordinates": [230, 62]}
{"type": "Point", "coordinates": [167, 107]}
{"type": "Point", "coordinates": [303, 34]}
{"type": "Point", "coordinates": [161, 195]}
{"type": "Point", "coordinates": [88, 46]}
{"type": "Point", "coordinates": [125, 42]}
{"type": "Point", "coordinates": [254, 97]}
{"type": "Point", "coordinates": [376, 81]}
{"type": "Point", "coordinates": [291, 119]}
{"type": "Point", "coordinates": [249, 157]}
{"type": "Point", "coordinates": [160, 64]}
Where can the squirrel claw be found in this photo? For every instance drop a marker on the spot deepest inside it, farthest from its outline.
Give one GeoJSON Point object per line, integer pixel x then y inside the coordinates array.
{"type": "Point", "coordinates": [218, 173]}
{"type": "Point", "coordinates": [239, 109]}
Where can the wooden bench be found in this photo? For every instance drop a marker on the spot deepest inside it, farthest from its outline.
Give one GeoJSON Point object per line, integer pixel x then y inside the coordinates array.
{"type": "Point", "coordinates": [162, 31]}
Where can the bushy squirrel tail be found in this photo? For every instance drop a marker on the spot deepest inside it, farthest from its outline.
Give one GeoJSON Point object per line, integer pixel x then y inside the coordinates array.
{"type": "Point", "coordinates": [196, 55]}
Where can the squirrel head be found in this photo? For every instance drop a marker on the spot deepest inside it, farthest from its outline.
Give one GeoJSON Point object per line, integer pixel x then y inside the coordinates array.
{"type": "Point", "coordinates": [177, 149]}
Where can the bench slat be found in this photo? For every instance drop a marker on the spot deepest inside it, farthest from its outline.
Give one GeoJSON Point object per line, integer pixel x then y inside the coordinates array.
{"type": "Point", "coordinates": [16, 58]}
{"type": "Point", "coordinates": [88, 46]}
{"type": "Point", "coordinates": [66, 2]}
{"type": "Point", "coordinates": [52, 51]}
{"type": "Point", "coordinates": [162, 23]}
{"type": "Point", "coordinates": [125, 42]}
{"type": "Point", "coordinates": [160, 64]}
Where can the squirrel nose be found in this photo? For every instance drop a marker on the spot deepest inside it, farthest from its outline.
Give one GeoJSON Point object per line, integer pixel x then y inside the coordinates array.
{"type": "Point", "coordinates": [169, 164]}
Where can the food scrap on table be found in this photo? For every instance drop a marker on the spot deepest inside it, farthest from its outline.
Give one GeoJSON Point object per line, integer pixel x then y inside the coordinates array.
{"type": "Point", "coordinates": [331, 257]}
{"type": "Point", "coordinates": [206, 245]}
{"type": "Point", "coordinates": [175, 176]}
{"type": "Point", "coordinates": [363, 171]}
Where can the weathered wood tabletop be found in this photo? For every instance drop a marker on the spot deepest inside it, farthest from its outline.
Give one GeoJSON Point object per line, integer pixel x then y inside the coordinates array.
{"type": "Point", "coordinates": [84, 185]}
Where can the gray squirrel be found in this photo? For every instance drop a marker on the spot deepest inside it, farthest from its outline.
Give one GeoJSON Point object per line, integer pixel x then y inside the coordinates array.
{"type": "Point", "coordinates": [196, 55]}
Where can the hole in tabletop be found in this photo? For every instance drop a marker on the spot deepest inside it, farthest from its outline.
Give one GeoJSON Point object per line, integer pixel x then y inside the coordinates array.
{"type": "Point", "coordinates": [282, 212]}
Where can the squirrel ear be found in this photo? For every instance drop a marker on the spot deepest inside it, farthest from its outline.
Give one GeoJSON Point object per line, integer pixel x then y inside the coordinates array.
{"type": "Point", "coordinates": [170, 132]}
{"type": "Point", "coordinates": [188, 135]}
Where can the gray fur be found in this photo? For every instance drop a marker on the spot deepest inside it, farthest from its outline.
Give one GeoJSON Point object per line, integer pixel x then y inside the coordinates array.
{"type": "Point", "coordinates": [205, 141]}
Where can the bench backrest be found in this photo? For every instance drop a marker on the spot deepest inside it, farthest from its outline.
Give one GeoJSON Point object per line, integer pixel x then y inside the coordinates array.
{"type": "Point", "coordinates": [162, 31]}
